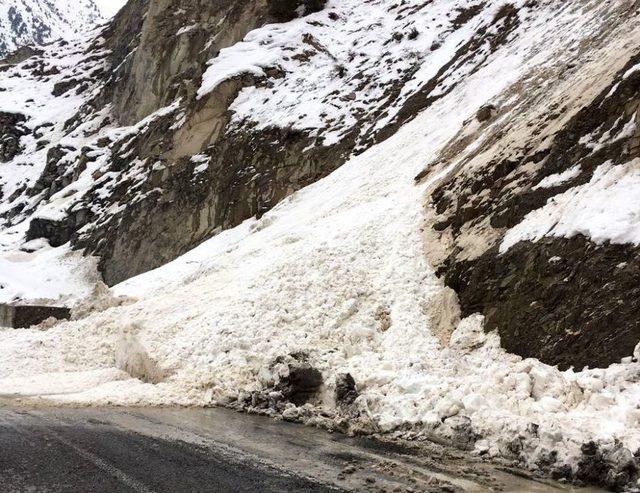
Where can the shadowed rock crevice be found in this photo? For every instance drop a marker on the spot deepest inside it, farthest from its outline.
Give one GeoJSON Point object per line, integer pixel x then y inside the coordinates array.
{"type": "Point", "coordinates": [12, 129]}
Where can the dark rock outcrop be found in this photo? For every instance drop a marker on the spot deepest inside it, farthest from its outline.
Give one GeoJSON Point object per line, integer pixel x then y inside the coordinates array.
{"type": "Point", "coordinates": [56, 231]}
{"type": "Point", "coordinates": [286, 10]}
{"type": "Point", "coordinates": [20, 55]}
{"type": "Point", "coordinates": [11, 130]}
{"type": "Point", "coordinates": [566, 301]}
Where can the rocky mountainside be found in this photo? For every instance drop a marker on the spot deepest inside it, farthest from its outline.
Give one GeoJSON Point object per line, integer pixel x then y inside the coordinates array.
{"type": "Point", "coordinates": [36, 22]}
{"type": "Point", "coordinates": [413, 217]}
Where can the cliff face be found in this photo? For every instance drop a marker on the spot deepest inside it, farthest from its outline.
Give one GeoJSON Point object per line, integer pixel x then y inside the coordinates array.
{"type": "Point", "coordinates": [201, 160]}
{"type": "Point", "coordinates": [538, 225]}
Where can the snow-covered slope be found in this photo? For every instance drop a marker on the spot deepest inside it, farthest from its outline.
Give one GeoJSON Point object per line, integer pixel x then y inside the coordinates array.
{"type": "Point", "coordinates": [35, 22]}
{"type": "Point", "coordinates": [355, 136]}
{"type": "Point", "coordinates": [109, 8]}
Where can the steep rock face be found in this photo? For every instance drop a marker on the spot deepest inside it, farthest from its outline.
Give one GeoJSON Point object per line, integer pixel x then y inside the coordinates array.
{"type": "Point", "coordinates": [36, 22]}
{"type": "Point", "coordinates": [539, 237]}
{"type": "Point", "coordinates": [174, 43]}
{"type": "Point", "coordinates": [170, 58]}
{"type": "Point", "coordinates": [243, 169]}
{"type": "Point", "coordinates": [229, 111]}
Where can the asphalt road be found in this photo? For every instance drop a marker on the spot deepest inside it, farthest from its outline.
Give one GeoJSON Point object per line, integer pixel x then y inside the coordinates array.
{"type": "Point", "coordinates": [215, 450]}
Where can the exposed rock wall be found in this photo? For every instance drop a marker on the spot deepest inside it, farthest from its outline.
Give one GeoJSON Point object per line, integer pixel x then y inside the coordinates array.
{"type": "Point", "coordinates": [569, 301]}
{"type": "Point", "coordinates": [242, 171]}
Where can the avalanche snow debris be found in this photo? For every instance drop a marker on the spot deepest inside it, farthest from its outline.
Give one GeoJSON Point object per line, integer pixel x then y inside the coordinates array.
{"type": "Point", "coordinates": [314, 275]}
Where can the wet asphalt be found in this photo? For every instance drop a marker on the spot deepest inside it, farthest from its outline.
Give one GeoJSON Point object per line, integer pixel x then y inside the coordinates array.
{"type": "Point", "coordinates": [216, 450]}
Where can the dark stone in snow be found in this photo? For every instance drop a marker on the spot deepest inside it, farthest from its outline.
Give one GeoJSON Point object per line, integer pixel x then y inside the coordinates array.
{"type": "Point", "coordinates": [286, 10]}
{"type": "Point", "coordinates": [56, 232]}
{"type": "Point", "coordinates": [11, 130]}
{"type": "Point", "coordinates": [613, 469]}
{"type": "Point", "coordinates": [302, 383]}
{"type": "Point", "coordinates": [346, 391]}
{"type": "Point", "coordinates": [562, 472]}
{"type": "Point", "coordinates": [486, 113]}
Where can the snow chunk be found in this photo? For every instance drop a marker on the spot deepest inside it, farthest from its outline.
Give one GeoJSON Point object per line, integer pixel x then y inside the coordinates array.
{"type": "Point", "coordinates": [247, 57]}
{"type": "Point", "coordinates": [558, 178]}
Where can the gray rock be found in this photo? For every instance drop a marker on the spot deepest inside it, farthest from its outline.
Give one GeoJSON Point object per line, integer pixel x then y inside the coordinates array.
{"type": "Point", "coordinates": [345, 392]}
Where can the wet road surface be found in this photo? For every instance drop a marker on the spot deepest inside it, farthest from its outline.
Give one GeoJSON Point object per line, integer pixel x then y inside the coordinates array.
{"type": "Point", "coordinates": [216, 450]}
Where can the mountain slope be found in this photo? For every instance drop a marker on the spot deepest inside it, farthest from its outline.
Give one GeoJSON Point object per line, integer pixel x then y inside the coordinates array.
{"type": "Point", "coordinates": [377, 202]}
{"type": "Point", "coordinates": [35, 22]}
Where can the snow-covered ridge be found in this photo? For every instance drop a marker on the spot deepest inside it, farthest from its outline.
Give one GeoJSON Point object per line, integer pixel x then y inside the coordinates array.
{"type": "Point", "coordinates": [35, 269]}
{"type": "Point", "coordinates": [35, 22]}
{"type": "Point", "coordinates": [353, 65]}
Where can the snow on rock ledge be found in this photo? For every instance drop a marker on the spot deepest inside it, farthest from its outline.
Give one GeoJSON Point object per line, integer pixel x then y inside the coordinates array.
{"type": "Point", "coordinates": [605, 209]}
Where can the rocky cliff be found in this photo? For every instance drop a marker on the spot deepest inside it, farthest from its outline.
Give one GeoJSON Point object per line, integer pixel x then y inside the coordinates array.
{"type": "Point", "coordinates": [538, 223]}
